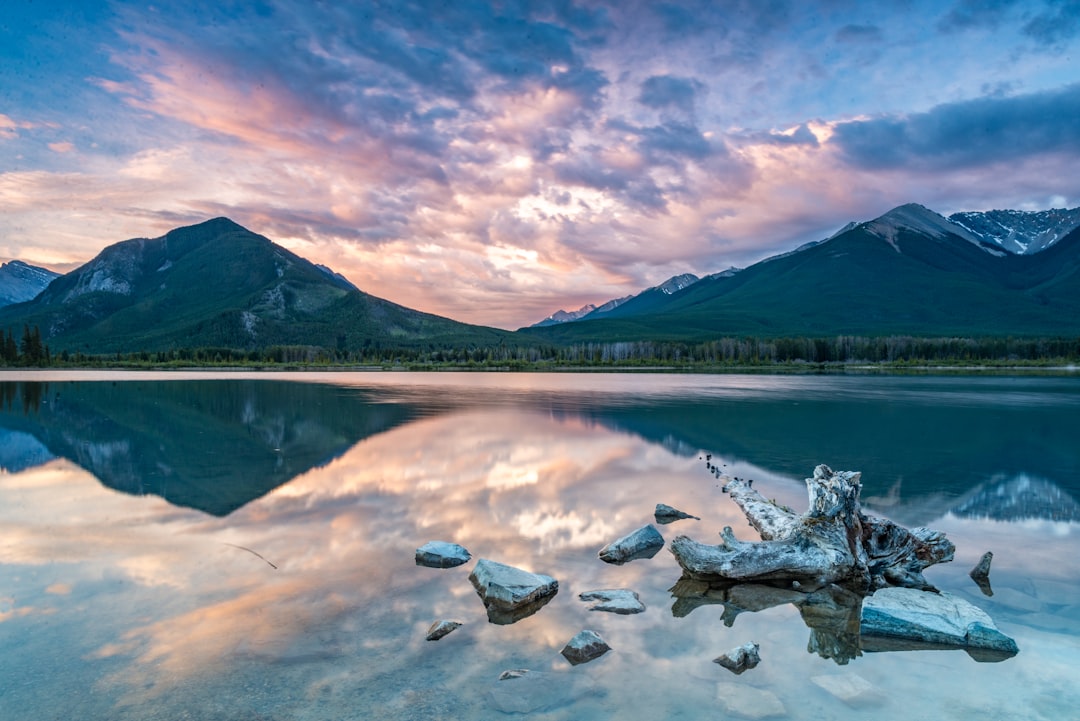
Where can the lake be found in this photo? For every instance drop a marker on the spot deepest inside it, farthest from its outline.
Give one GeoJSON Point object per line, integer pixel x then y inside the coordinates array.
{"type": "Point", "coordinates": [241, 546]}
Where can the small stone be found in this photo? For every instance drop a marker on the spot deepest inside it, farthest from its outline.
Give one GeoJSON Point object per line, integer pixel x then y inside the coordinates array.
{"type": "Point", "coordinates": [854, 690]}
{"type": "Point", "coordinates": [665, 514]}
{"type": "Point", "coordinates": [749, 702]}
{"type": "Point", "coordinates": [645, 542]}
{"type": "Point", "coordinates": [585, 647]}
{"type": "Point", "coordinates": [441, 554]}
{"type": "Point", "coordinates": [442, 628]}
{"type": "Point", "coordinates": [740, 659]}
{"type": "Point", "coordinates": [981, 574]}
{"type": "Point", "coordinates": [622, 601]}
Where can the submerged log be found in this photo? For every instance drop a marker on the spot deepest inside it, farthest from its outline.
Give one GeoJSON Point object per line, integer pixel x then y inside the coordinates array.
{"type": "Point", "coordinates": [832, 542]}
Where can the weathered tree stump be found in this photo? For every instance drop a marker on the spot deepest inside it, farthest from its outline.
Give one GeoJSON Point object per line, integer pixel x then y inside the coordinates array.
{"type": "Point", "coordinates": [832, 542]}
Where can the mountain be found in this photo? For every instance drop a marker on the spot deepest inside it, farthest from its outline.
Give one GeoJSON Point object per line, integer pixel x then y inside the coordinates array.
{"type": "Point", "coordinates": [217, 284]}
{"type": "Point", "coordinates": [637, 303]}
{"type": "Point", "coordinates": [1018, 231]}
{"type": "Point", "coordinates": [911, 271]}
{"type": "Point", "coordinates": [20, 281]}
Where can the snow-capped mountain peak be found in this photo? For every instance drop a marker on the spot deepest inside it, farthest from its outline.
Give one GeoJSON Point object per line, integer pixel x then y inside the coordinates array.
{"type": "Point", "coordinates": [20, 281]}
{"type": "Point", "coordinates": [1019, 231]}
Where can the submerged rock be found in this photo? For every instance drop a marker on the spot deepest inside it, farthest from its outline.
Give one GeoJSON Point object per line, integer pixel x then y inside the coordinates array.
{"type": "Point", "coordinates": [440, 629]}
{"type": "Point", "coordinates": [854, 690]}
{"type": "Point", "coordinates": [523, 691]}
{"type": "Point", "coordinates": [645, 542]}
{"type": "Point", "coordinates": [740, 659]}
{"type": "Point", "coordinates": [440, 554]}
{"type": "Point", "coordinates": [739, 699]}
{"type": "Point", "coordinates": [900, 619]}
{"type": "Point", "coordinates": [665, 514]}
{"type": "Point", "coordinates": [511, 594]}
{"type": "Point", "coordinates": [622, 601]}
{"type": "Point", "coordinates": [584, 647]}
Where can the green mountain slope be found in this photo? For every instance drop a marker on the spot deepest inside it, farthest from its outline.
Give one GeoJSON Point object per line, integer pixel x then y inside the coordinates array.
{"type": "Point", "coordinates": [219, 284]}
{"type": "Point", "coordinates": [904, 273]}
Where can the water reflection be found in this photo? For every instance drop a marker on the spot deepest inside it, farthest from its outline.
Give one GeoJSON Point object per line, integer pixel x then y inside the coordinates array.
{"type": "Point", "coordinates": [137, 607]}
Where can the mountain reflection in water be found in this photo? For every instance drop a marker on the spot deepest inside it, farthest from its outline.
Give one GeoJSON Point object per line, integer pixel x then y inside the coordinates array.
{"type": "Point", "coordinates": [129, 606]}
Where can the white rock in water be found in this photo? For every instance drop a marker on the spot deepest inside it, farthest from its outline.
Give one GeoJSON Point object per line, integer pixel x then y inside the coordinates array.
{"type": "Point", "coordinates": [854, 690]}
{"type": "Point", "coordinates": [440, 554]}
{"type": "Point", "coordinates": [749, 702]}
{"type": "Point", "coordinates": [506, 590]}
{"type": "Point", "coordinates": [622, 601]}
{"type": "Point", "coordinates": [740, 659]}
{"type": "Point", "coordinates": [900, 616]}
{"type": "Point", "coordinates": [584, 647]}
{"type": "Point", "coordinates": [440, 629]}
{"type": "Point", "coordinates": [645, 542]}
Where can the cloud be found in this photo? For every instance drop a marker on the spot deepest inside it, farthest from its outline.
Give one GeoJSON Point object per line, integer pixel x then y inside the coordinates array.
{"type": "Point", "coordinates": [663, 91]}
{"type": "Point", "coordinates": [859, 34]}
{"type": "Point", "coordinates": [966, 134]}
{"type": "Point", "coordinates": [975, 14]}
{"type": "Point", "coordinates": [1056, 26]}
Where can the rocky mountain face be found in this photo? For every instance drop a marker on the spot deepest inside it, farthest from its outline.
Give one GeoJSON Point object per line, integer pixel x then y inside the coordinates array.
{"type": "Point", "coordinates": [1018, 231]}
{"type": "Point", "coordinates": [217, 284]}
{"type": "Point", "coordinates": [20, 282]}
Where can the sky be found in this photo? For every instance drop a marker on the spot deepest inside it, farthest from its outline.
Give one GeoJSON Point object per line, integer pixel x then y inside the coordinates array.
{"type": "Point", "coordinates": [494, 162]}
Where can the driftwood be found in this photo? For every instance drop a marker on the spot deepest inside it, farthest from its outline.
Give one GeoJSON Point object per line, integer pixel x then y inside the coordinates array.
{"type": "Point", "coordinates": [833, 542]}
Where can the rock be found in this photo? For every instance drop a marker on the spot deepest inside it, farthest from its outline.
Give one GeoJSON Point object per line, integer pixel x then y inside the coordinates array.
{"type": "Point", "coordinates": [740, 659]}
{"type": "Point", "coordinates": [584, 647]}
{"type": "Point", "coordinates": [749, 702]}
{"type": "Point", "coordinates": [665, 514]}
{"type": "Point", "coordinates": [645, 542]}
{"type": "Point", "coordinates": [897, 619]}
{"type": "Point", "coordinates": [981, 573]}
{"type": "Point", "coordinates": [622, 601]}
{"type": "Point", "coordinates": [440, 554]}
{"type": "Point", "coordinates": [442, 628]}
{"type": "Point", "coordinates": [854, 690]}
{"type": "Point", "coordinates": [510, 594]}
{"type": "Point", "coordinates": [524, 691]}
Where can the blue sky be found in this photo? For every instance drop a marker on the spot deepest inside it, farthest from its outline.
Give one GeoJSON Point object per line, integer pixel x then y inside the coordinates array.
{"type": "Point", "coordinates": [493, 162]}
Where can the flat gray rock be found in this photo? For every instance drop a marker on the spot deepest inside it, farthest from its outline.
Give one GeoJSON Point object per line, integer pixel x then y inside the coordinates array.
{"type": "Point", "coordinates": [896, 619]}
{"type": "Point", "coordinates": [739, 699]}
{"type": "Point", "coordinates": [740, 659]}
{"type": "Point", "coordinates": [524, 691]}
{"type": "Point", "coordinates": [440, 629]}
{"type": "Point", "coordinates": [665, 514]}
{"type": "Point", "coordinates": [645, 542]}
{"type": "Point", "coordinates": [852, 689]}
{"type": "Point", "coordinates": [441, 554]}
{"type": "Point", "coordinates": [622, 601]}
{"type": "Point", "coordinates": [509, 593]}
{"type": "Point", "coordinates": [585, 647]}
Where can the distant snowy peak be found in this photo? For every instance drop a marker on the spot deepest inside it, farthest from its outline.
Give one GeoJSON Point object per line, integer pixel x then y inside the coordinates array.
{"type": "Point", "coordinates": [566, 316]}
{"type": "Point", "coordinates": [677, 283]}
{"type": "Point", "coordinates": [1019, 231]}
{"type": "Point", "coordinates": [21, 282]}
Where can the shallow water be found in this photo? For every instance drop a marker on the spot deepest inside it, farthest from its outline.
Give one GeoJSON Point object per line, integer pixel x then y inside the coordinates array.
{"type": "Point", "coordinates": [228, 546]}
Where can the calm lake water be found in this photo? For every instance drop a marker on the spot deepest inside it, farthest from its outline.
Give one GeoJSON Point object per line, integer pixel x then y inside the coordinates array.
{"type": "Point", "coordinates": [229, 546]}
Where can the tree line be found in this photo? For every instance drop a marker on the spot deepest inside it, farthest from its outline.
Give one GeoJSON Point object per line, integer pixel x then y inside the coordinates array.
{"type": "Point", "coordinates": [29, 351]}
{"type": "Point", "coordinates": [722, 352]}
